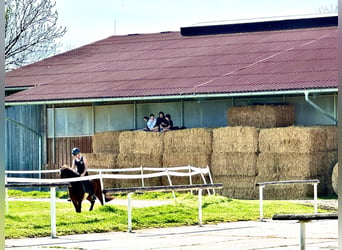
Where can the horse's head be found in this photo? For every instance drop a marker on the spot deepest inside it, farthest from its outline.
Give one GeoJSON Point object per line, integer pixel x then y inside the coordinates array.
{"type": "Point", "coordinates": [67, 172]}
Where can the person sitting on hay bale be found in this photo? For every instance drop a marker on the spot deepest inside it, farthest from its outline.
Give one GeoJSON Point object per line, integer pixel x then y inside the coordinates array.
{"type": "Point", "coordinates": [80, 165]}
{"type": "Point", "coordinates": [151, 124]}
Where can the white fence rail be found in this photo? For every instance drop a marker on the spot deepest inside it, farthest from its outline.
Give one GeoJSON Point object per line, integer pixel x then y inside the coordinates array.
{"type": "Point", "coordinates": [262, 185]}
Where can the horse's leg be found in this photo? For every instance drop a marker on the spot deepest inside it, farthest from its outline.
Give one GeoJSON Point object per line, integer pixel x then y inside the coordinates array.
{"type": "Point", "coordinates": [92, 202]}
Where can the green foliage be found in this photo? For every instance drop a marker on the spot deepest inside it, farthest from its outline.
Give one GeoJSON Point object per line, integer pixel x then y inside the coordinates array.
{"type": "Point", "coordinates": [32, 218]}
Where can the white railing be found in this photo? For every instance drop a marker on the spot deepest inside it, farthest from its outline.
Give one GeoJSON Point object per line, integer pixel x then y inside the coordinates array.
{"type": "Point", "coordinates": [52, 183]}
{"type": "Point", "coordinates": [262, 185]}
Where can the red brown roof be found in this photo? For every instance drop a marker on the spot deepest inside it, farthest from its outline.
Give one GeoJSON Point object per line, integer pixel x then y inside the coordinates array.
{"type": "Point", "coordinates": [168, 64]}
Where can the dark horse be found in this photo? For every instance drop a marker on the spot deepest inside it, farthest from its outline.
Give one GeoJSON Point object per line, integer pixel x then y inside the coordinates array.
{"type": "Point", "coordinates": [76, 191]}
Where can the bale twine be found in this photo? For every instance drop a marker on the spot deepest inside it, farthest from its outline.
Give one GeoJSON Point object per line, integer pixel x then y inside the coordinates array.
{"type": "Point", "coordinates": [334, 178]}
{"type": "Point", "coordinates": [106, 142]}
{"type": "Point", "coordinates": [141, 142]}
{"type": "Point", "coordinates": [235, 139]}
{"type": "Point", "coordinates": [198, 140]}
{"type": "Point", "coordinates": [293, 140]}
{"type": "Point", "coordinates": [262, 116]}
{"type": "Point", "coordinates": [233, 164]}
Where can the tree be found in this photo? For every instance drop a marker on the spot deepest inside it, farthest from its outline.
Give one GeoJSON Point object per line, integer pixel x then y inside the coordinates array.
{"type": "Point", "coordinates": [30, 31]}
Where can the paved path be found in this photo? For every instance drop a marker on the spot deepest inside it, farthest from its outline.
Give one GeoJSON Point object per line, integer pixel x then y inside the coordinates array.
{"type": "Point", "coordinates": [235, 235]}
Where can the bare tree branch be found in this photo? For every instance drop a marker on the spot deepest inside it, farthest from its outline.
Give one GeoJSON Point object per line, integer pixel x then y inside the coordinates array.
{"type": "Point", "coordinates": [30, 31]}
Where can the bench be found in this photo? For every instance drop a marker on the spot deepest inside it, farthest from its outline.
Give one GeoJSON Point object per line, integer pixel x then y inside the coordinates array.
{"type": "Point", "coordinates": [304, 218]}
{"type": "Point", "coordinates": [192, 187]}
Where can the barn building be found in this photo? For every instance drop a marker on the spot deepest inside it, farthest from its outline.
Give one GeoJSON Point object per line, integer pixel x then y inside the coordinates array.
{"type": "Point", "coordinates": [197, 75]}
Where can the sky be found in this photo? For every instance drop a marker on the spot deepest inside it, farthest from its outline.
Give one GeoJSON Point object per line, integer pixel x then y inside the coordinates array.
{"type": "Point", "coordinates": [89, 21]}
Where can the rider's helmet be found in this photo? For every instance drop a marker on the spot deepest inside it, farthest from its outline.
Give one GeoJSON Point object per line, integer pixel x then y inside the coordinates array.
{"type": "Point", "coordinates": [75, 151]}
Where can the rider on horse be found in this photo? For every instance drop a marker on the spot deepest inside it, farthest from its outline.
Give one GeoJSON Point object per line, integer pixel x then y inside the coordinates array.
{"type": "Point", "coordinates": [80, 165]}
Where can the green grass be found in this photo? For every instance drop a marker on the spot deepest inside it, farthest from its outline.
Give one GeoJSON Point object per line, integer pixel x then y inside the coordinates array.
{"type": "Point", "coordinates": [32, 218]}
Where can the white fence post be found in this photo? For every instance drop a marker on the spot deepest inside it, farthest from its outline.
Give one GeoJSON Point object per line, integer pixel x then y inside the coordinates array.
{"type": "Point", "coordinates": [53, 212]}
{"type": "Point", "coordinates": [315, 198]}
{"type": "Point", "coordinates": [102, 186]}
{"type": "Point", "coordinates": [142, 176]}
{"type": "Point", "coordinates": [200, 207]}
{"type": "Point", "coordinates": [261, 194]}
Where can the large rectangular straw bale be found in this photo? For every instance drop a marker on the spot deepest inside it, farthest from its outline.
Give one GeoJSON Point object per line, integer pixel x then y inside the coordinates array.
{"type": "Point", "coordinates": [292, 140]}
{"type": "Point", "coordinates": [237, 187]}
{"type": "Point", "coordinates": [101, 160]}
{"type": "Point", "coordinates": [291, 164]}
{"type": "Point", "coordinates": [233, 164]}
{"type": "Point", "coordinates": [141, 142]}
{"type": "Point", "coordinates": [106, 142]}
{"type": "Point", "coordinates": [129, 160]}
{"type": "Point", "coordinates": [197, 140]}
{"type": "Point", "coordinates": [331, 137]}
{"type": "Point", "coordinates": [235, 139]}
{"type": "Point", "coordinates": [262, 116]}
{"type": "Point", "coordinates": [184, 159]}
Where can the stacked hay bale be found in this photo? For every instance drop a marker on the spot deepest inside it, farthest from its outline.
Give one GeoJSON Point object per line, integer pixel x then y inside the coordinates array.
{"type": "Point", "coordinates": [105, 151]}
{"type": "Point", "coordinates": [262, 116]}
{"type": "Point", "coordinates": [233, 161]}
{"type": "Point", "coordinates": [139, 148]}
{"type": "Point", "coordinates": [296, 153]}
{"type": "Point", "coordinates": [187, 147]}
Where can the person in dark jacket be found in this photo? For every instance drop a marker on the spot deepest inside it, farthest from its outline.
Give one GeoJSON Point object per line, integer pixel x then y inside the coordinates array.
{"type": "Point", "coordinates": [80, 165]}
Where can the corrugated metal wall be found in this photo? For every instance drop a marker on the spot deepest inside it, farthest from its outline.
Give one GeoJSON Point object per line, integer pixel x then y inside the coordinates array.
{"type": "Point", "coordinates": [25, 125]}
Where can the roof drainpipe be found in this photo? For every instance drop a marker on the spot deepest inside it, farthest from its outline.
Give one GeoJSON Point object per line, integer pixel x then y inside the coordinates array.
{"type": "Point", "coordinates": [314, 105]}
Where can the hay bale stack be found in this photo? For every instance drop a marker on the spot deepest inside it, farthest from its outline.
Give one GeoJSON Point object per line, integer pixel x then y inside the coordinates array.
{"type": "Point", "coordinates": [106, 142]}
{"type": "Point", "coordinates": [293, 140]}
{"type": "Point", "coordinates": [102, 161]}
{"type": "Point", "coordinates": [141, 142]}
{"type": "Point", "coordinates": [139, 148]}
{"type": "Point", "coordinates": [296, 153]}
{"type": "Point", "coordinates": [334, 178]}
{"type": "Point", "coordinates": [195, 140]}
{"type": "Point", "coordinates": [262, 116]}
{"type": "Point", "coordinates": [187, 147]}
{"type": "Point", "coordinates": [233, 161]}
{"type": "Point", "coordinates": [235, 139]}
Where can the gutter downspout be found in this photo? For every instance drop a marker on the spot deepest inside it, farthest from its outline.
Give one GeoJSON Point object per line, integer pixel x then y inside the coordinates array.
{"type": "Point", "coordinates": [315, 106]}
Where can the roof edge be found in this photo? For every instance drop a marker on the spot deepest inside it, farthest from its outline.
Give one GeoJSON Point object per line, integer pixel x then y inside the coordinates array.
{"type": "Point", "coordinates": [173, 97]}
{"type": "Point", "coordinates": [304, 22]}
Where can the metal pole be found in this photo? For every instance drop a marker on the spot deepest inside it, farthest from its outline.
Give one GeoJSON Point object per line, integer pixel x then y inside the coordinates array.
{"type": "Point", "coordinates": [315, 198]}
{"type": "Point", "coordinates": [302, 235]}
{"type": "Point", "coordinates": [53, 211]}
{"type": "Point", "coordinates": [261, 189]}
{"type": "Point", "coordinates": [129, 211]}
{"type": "Point", "coordinates": [200, 207]}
